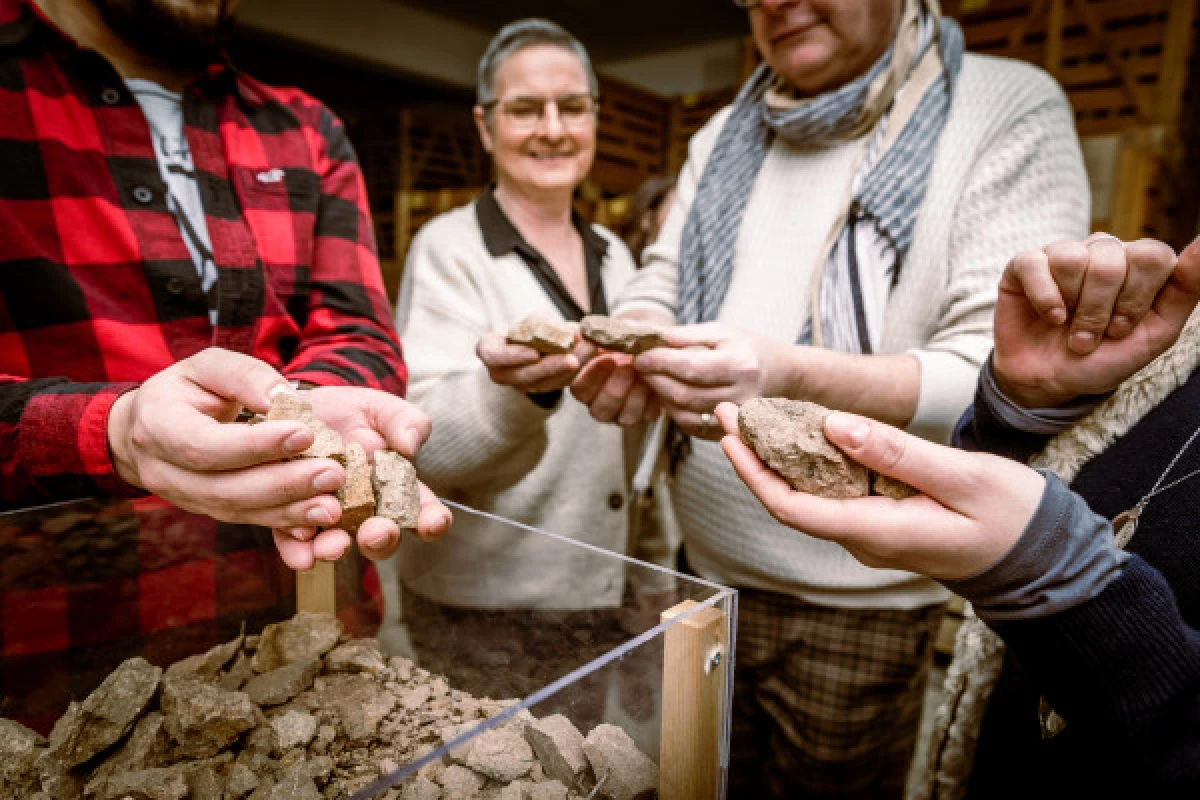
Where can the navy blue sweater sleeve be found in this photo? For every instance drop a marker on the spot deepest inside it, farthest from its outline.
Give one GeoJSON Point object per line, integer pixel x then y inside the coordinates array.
{"type": "Point", "coordinates": [1126, 667]}
{"type": "Point", "coordinates": [981, 429]}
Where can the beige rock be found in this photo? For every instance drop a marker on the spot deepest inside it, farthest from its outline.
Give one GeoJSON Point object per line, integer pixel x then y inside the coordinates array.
{"type": "Point", "coordinates": [397, 495]}
{"type": "Point", "coordinates": [206, 666]}
{"type": "Point", "coordinates": [548, 337]}
{"type": "Point", "coordinates": [788, 436]}
{"type": "Point", "coordinates": [622, 771]}
{"type": "Point", "coordinates": [418, 788]}
{"type": "Point", "coordinates": [290, 406]}
{"type": "Point", "coordinates": [460, 780]}
{"type": "Point", "coordinates": [204, 720]}
{"type": "Point", "coordinates": [280, 685]}
{"type": "Point", "coordinates": [891, 487]}
{"type": "Point", "coordinates": [19, 751]}
{"type": "Point", "coordinates": [357, 495]}
{"type": "Point", "coordinates": [357, 655]}
{"type": "Point", "coordinates": [294, 728]}
{"type": "Point", "coordinates": [107, 714]}
{"type": "Point", "coordinates": [559, 747]}
{"type": "Point", "coordinates": [304, 637]}
{"type": "Point", "coordinates": [293, 406]}
{"type": "Point", "coordinates": [620, 335]}
{"type": "Point", "coordinates": [500, 755]}
{"type": "Point", "coordinates": [328, 443]}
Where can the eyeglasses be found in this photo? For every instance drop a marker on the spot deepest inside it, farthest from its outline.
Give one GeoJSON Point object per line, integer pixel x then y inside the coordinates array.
{"type": "Point", "coordinates": [749, 5]}
{"type": "Point", "coordinates": [575, 111]}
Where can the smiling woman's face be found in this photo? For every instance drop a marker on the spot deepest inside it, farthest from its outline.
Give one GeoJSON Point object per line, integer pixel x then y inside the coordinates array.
{"type": "Point", "coordinates": [552, 154]}
{"type": "Point", "coordinates": [818, 45]}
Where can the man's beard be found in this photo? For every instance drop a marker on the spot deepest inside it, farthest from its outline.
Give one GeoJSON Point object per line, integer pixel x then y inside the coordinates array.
{"type": "Point", "coordinates": [168, 35]}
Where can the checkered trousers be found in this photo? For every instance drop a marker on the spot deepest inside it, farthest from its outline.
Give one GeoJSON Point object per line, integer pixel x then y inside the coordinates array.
{"type": "Point", "coordinates": [827, 701]}
{"type": "Point", "coordinates": [97, 288]}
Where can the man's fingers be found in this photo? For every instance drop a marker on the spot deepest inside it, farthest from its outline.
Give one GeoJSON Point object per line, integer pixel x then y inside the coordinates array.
{"type": "Point", "coordinates": [677, 396]}
{"type": "Point", "coordinates": [403, 426]}
{"type": "Point", "coordinates": [321, 511]}
{"type": "Point", "coordinates": [378, 538]}
{"type": "Point", "coordinates": [1068, 262]}
{"type": "Point", "coordinates": [434, 519]}
{"type": "Point", "coordinates": [230, 495]}
{"type": "Point", "coordinates": [591, 379]}
{"type": "Point", "coordinates": [548, 372]}
{"type": "Point", "coordinates": [1178, 298]}
{"type": "Point", "coordinates": [1106, 271]}
{"type": "Point", "coordinates": [697, 366]}
{"type": "Point", "coordinates": [331, 545]}
{"type": "Point", "coordinates": [496, 353]}
{"type": "Point", "coordinates": [611, 398]}
{"type": "Point", "coordinates": [196, 442]}
{"type": "Point", "coordinates": [233, 376]}
{"type": "Point", "coordinates": [1150, 264]}
{"type": "Point", "coordinates": [705, 334]}
{"type": "Point", "coordinates": [295, 554]}
{"type": "Point", "coordinates": [1029, 274]}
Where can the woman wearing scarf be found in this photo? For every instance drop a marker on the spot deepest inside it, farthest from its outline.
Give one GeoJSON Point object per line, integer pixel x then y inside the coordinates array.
{"type": "Point", "coordinates": [838, 236]}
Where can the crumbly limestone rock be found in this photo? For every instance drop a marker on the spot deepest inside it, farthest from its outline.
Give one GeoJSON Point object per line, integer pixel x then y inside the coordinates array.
{"type": "Point", "coordinates": [357, 494]}
{"type": "Point", "coordinates": [548, 337]}
{"type": "Point", "coordinates": [397, 495]}
{"type": "Point", "coordinates": [621, 335]}
{"type": "Point", "coordinates": [789, 436]}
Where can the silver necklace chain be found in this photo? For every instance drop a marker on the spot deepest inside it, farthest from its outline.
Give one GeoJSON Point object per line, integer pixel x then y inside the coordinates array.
{"type": "Point", "coordinates": [1155, 490]}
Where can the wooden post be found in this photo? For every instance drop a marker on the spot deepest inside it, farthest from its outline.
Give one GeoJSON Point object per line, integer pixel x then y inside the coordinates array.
{"type": "Point", "coordinates": [316, 590]}
{"type": "Point", "coordinates": [693, 681]}
{"type": "Point", "coordinates": [1054, 36]}
{"type": "Point", "coordinates": [1176, 51]}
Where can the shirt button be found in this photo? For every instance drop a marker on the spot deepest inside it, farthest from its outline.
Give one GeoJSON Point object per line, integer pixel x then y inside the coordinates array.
{"type": "Point", "coordinates": [616, 500]}
{"type": "Point", "coordinates": [174, 285]}
{"type": "Point", "coordinates": [143, 195]}
{"type": "Point", "coordinates": [110, 96]}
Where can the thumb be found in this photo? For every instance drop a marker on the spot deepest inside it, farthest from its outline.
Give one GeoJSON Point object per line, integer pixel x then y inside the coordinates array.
{"type": "Point", "coordinates": [1177, 299]}
{"type": "Point", "coordinates": [939, 472]}
{"type": "Point", "coordinates": [233, 376]}
{"type": "Point", "coordinates": [705, 334]}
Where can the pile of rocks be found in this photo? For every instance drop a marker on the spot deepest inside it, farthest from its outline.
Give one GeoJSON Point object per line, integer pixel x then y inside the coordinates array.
{"type": "Point", "coordinates": [304, 712]}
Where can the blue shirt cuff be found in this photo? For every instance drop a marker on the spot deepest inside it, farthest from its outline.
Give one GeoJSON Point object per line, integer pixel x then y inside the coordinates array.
{"type": "Point", "coordinates": [1065, 557]}
{"type": "Point", "coordinates": [1045, 421]}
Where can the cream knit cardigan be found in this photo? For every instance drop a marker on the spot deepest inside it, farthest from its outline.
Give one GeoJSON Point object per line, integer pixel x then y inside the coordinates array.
{"type": "Point", "coordinates": [1008, 175]}
{"type": "Point", "coordinates": [493, 449]}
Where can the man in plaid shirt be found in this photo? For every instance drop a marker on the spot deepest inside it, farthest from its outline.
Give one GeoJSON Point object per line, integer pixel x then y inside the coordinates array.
{"type": "Point", "coordinates": [177, 240]}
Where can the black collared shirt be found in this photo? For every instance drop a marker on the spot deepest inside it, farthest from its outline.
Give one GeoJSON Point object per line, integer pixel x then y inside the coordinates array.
{"type": "Point", "coordinates": [501, 237]}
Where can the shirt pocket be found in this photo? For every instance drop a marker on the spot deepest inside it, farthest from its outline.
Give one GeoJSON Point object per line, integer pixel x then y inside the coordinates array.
{"type": "Point", "coordinates": [280, 206]}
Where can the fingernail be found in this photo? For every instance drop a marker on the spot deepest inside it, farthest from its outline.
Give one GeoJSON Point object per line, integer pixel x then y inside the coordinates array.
{"type": "Point", "coordinates": [411, 440]}
{"type": "Point", "coordinates": [379, 542]}
{"type": "Point", "coordinates": [319, 516]}
{"type": "Point", "coordinates": [1083, 340]}
{"type": "Point", "coordinates": [1120, 323]}
{"type": "Point", "coordinates": [298, 442]}
{"type": "Point", "coordinates": [327, 481]}
{"type": "Point", "coordinates": [847, 429]}
{"type": "Point", "coordinates": [1057, 317]}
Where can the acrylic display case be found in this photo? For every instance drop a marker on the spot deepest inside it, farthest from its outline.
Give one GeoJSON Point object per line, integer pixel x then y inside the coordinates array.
{"type": "Point", "coordinates": [609, 678]}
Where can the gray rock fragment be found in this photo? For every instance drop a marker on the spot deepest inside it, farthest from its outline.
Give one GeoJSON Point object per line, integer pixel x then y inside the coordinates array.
{"type": "Point", "coordinates": [397, 496]}
{"type": "Point", "coordinates": [240, 781]}
{"type": "Point", "coordinates": [280, 685]}
{"type": "Point", "coordinates": [148, 746]}
{"type": "Point", "coordinates": [304, 637]}
{"type": "Point", "coordinates": [107, 714]}
{"type": "Point", "coordinates": [546, 336]}
{"type": "Point", "coordinates": [357, 655]}
{"type": "Point", "coordinates": [500, 755]}
{"type": "Point", "coordinates": [294, 729]}
{"type": "Point", "coordinates": [456, 779]}
{"type": "Point", "coordinates": [203, 783]}
{"type": "Point", "coordinates": [545, 790]}
{"type": "Point", "coordinates": [360, 702]}
{"type": "Point", "coordinates": [622, 771]}
{"type": "Point", "coordinates": [295, 784]}
{"type": "Point", "coordinates": [19, 751]}
{"type": "Point", "coordinates": [418, 788]}
{"type": "Point", "coordinates": [204, 720]}
{"type": "Point", "coordinates": [788, 435]}
{"type": "Point", "coordinates": [621, 335]}
{"type": "Point", "coordinates": [166, 783]}
{"type": "Point", "coordinates": [559, 747]}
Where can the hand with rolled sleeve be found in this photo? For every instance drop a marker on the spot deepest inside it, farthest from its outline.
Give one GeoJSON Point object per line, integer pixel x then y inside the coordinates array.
{"type": "Point", "coordinates": [171, 436]}
{"type": "Point", "coordinates": [1078, 318]}
{"type": "Point", "coordinates": [527, 370]}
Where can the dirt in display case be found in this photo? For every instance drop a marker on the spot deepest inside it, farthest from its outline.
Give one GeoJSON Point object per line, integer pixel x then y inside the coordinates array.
{"type": "Point", "coordinates": [400, 694]}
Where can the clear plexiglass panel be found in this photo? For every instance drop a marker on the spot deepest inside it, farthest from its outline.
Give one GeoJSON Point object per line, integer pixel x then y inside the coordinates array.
{"type": "Point", "coordinates": [152, 652]}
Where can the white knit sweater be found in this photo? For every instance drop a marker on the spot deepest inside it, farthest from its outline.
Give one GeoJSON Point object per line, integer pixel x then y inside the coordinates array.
{"type": "Point", "coordinates": [1008, 175]}
{"type": "Point", "coordinates": [493, 449]}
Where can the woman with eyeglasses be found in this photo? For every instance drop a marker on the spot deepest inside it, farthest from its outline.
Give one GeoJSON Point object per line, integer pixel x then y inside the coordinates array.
{"type": "Point", "coordinates": [507, 439]}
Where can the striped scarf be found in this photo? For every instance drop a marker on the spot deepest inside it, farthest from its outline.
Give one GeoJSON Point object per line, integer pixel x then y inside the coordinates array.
{"type": "Point", "coordinates": [889, 195]}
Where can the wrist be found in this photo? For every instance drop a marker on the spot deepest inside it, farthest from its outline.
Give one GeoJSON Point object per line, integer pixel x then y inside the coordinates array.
{"type": "Point", "coordinates": [120, 423]}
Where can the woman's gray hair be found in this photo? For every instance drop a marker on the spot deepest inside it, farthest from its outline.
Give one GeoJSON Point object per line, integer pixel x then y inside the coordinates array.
{"type": "Point", "coordinates": [516, 36]}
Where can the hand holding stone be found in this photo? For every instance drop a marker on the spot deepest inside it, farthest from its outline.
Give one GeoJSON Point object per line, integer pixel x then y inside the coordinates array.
{"type": "Point", "coordinates": [972, 508]}
{"type": "Point", "coordinates": [532, 367]}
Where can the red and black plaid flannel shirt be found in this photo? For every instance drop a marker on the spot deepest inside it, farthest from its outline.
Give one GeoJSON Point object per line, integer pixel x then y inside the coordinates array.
{"type": "Point", "coordinates": [98, 292]}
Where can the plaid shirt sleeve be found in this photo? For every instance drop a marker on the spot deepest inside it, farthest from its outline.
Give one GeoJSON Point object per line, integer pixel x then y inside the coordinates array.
{"type": "Point", "coordinates": [54, 440]}
{"type": "Point", "coordinates": [348, 337]}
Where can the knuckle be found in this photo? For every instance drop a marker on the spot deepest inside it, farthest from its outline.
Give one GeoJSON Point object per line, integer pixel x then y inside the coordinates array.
{"type": "Point", "coordinates": [1151, 253]}
{"type": "Point", "coordinates": [889, 447]}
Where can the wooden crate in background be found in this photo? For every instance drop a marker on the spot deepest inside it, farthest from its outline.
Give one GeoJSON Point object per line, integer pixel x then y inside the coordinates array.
{"type": "Point", "coordinates": [688, 114]}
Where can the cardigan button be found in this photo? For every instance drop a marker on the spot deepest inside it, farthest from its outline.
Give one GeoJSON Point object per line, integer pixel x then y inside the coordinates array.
{"type": "Point", "coordinates": [143, 195]}
{"type": "Point", "coordinates": [616, 500]}
{"type": "Point", "coordinates": [174, 285]}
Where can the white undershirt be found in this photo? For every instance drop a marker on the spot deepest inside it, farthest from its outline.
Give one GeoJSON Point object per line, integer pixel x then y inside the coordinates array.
{"type": "Point", "coordinates": [164, 114]}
